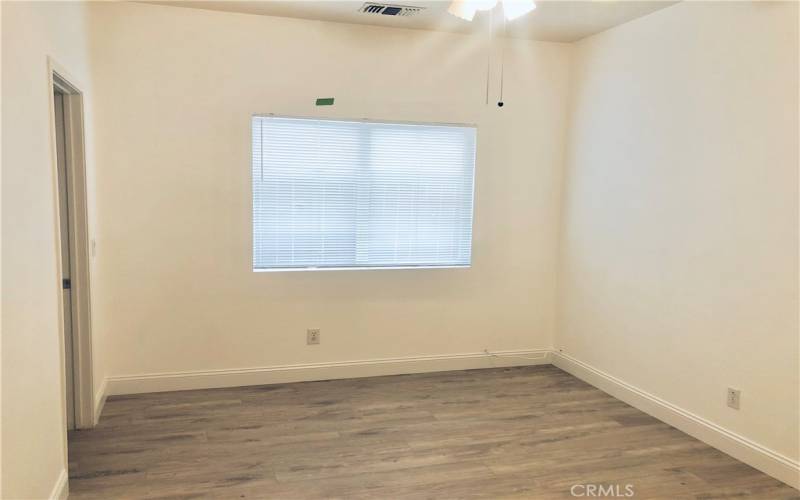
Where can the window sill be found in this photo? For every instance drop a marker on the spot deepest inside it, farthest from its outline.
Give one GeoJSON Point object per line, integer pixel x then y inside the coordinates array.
{"type": "Point", "coordinates": [296, 269]}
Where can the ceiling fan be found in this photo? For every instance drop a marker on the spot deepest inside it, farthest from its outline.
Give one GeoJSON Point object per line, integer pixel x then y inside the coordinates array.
{"type": "Point", "coordinates": [512, 9]}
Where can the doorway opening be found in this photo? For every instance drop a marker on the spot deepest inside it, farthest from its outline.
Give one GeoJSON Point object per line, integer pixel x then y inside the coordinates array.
{"type": "Point", "coordinates": [74, 247]}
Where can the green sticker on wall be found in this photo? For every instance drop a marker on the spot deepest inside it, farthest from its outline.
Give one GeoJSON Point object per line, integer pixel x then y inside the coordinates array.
{"type": "Point", "coordinates": [324, 101]}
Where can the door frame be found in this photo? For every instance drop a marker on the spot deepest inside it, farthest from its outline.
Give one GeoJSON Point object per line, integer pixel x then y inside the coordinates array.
{"type": "Point", "coordinates": [58, 77]}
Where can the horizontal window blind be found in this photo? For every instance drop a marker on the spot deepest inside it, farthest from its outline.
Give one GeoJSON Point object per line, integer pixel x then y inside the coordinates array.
{"type": "Point", "coordinates": [353, 194]}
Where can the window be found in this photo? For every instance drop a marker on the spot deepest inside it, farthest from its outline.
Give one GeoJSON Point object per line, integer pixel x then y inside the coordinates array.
{"type": "Point", "coordinates": [354, 194]}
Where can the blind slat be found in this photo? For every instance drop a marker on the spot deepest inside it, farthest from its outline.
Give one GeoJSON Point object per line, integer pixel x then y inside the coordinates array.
{"type": "Point", "coordinates": [361, 194]}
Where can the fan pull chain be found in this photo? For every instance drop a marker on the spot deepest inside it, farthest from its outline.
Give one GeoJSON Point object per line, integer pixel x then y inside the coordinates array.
{"type": "Point", "coordinates": [489, 55]}
{"type": "Point", "coordinates": [502, 61]}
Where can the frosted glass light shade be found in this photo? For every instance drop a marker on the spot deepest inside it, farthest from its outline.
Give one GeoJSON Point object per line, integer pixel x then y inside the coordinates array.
{"type": "Point", "coordinates": [466, 9]}
{"type": "Point", "coordinates": [512, 9]}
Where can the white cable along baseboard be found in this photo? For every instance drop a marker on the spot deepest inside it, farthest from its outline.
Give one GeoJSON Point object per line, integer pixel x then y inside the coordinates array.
{"type": "Point", "coordinates": [739, 447]}
{"type": "Point", "coordinates": [177, 381]}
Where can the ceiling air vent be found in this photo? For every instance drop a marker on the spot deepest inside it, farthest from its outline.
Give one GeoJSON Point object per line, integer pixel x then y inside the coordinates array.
{"type": "Point", "coordinates": [390, 10]}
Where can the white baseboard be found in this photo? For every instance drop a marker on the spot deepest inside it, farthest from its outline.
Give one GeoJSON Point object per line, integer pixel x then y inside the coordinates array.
{"type": "Point", "coordinates": [61, 489]}
{"type": "Point", "coordinates": [100, 400]}
{"type": "Point", "coordinates": [739, 447]}
{"type": "Point", "coordinates": [178, 381]}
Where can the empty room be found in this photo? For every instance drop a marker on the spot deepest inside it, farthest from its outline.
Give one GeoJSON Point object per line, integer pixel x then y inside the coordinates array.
{"type": "Point", "coordinates": [418, 249]}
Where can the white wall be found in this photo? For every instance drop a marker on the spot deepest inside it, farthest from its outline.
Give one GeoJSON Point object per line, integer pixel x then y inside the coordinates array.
{"type": "Point", "coordinates": [680, 233]}
{"type": "Point", "coordinates": [33, 417]}
{"type": "Point", "coordinates": [175, 90]}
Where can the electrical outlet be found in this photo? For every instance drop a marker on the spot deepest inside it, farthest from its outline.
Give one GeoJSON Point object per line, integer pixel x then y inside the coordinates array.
{"type": "Point", "coordinates": [312, 336]}
{"type": "Point", "coordinates": [734, 397]}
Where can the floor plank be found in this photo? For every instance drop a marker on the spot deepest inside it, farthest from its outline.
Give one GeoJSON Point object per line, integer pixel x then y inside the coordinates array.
{"type": "Point", "coordinates": [529, 432]}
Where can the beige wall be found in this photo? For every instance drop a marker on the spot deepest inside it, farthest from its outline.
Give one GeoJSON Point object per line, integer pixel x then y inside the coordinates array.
{"type": "Point", "coordinates": [175, 91]}
{"type": "Point", "coordinates": [33, 425]}
{"type": "Point", "coordinates": [680, 233]}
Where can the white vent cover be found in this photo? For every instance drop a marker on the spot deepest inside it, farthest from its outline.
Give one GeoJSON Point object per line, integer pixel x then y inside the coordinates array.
{"type": "Point", "coordinates": [385, 9]}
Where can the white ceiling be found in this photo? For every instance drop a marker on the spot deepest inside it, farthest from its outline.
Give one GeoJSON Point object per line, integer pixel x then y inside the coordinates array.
{"type": "Point", "coordinates": [553, 20]}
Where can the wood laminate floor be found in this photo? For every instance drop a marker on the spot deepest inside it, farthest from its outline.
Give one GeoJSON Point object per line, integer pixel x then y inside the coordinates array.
{"type": "Point", "coordinates": [530, 432]}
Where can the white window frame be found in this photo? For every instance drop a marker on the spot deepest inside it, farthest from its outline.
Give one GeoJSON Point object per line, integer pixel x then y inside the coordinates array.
{"type": "Point", "coordinates": [352, 268]}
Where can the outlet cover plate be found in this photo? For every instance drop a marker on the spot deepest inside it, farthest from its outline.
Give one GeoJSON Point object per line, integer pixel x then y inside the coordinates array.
{"type": "Point", "coordinates": [734, 398]}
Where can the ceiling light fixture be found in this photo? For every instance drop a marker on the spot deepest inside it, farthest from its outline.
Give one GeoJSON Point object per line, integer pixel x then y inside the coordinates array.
{"type": "Point", "coordinates": [512, 9]}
